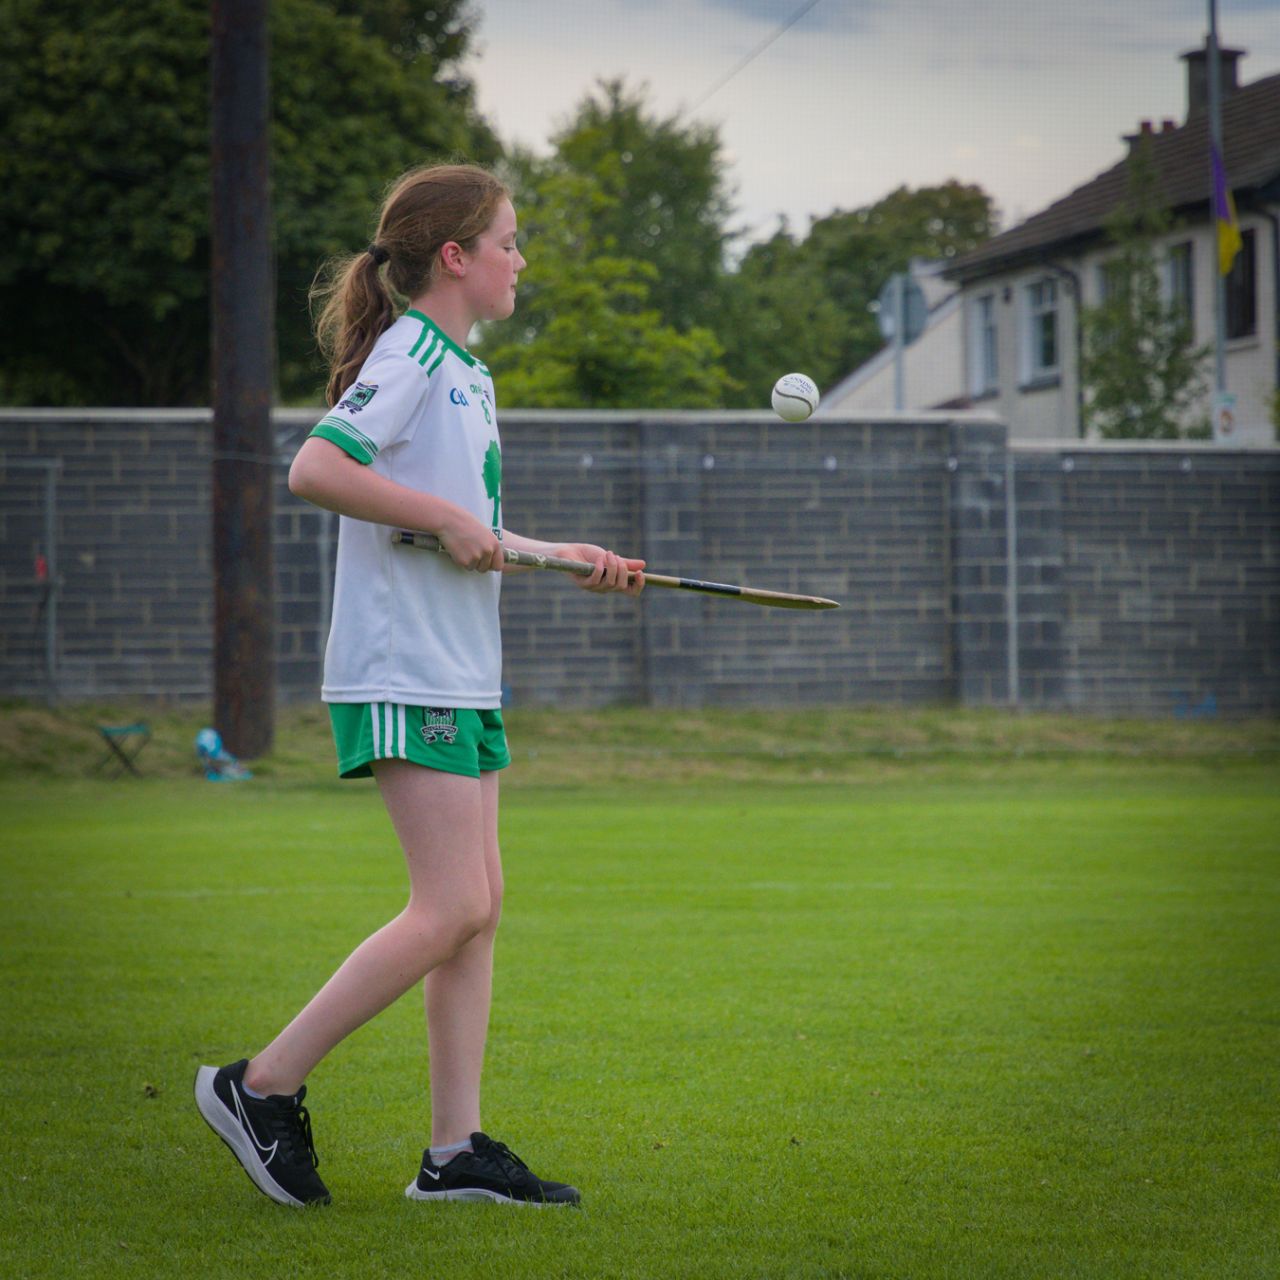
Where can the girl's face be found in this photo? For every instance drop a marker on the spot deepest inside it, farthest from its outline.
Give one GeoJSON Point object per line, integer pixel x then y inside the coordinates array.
{"type": "Point", "coordinates": [492, 267]}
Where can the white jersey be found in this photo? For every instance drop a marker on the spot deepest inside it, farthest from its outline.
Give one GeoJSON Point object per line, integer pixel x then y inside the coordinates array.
{"type": "Point", "coordinates": [409, 626]}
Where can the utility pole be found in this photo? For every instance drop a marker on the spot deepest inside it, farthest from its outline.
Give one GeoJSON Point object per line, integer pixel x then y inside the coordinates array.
{"type": "Point", "coordinates": [243, 345]}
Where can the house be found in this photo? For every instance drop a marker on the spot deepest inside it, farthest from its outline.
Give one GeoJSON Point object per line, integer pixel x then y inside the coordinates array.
{"type": "Point", "coordinates": [1019, 296]}
{"type": "Point", "coordinates": [1022, 292]}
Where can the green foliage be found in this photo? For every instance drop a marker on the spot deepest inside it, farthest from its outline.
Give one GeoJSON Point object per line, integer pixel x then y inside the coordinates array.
{"type": "Point", "coordinates": [778, 316]}
{"type": "Point", "coordinates": [586, 332]}
{"type": "Point", "coordinates": [666, 200]}
{"type": "Point", "coordinates": [1141, 375]}
{"type": "Point", "coordinates": [104, 179]}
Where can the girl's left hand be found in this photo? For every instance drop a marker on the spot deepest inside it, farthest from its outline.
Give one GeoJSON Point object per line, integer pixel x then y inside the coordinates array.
{"type": "Point", "coordinates": [612, 572]}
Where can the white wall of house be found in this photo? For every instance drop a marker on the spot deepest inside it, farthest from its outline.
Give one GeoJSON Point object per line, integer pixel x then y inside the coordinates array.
{"type": "Point", "coordinates": [931, 367]}
{"type": "Point", "coordinates": [1020, 344]}
{"type": "Point", "coordinates": [1020, 352]}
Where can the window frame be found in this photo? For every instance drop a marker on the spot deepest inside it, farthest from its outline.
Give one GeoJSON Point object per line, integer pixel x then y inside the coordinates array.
{"type": "Point", "coordinates": [1035, 315]}
{"type": "Point", "coordinates": [984, 346]}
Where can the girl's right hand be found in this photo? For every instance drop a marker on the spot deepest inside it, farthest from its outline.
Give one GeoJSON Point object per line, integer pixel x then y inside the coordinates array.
{"type": "Point", "coordinates": [471, 545]}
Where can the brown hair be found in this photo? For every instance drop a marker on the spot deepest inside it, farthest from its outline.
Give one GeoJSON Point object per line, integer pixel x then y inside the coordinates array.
{"type": "Point", "coordinates": [354, 304]}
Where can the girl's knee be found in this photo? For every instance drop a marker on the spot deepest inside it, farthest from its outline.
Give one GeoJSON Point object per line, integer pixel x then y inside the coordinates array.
{"type": "Point", "coordinates": [473, 918]}
{"type": "Point", "coordinates": [443, 931]}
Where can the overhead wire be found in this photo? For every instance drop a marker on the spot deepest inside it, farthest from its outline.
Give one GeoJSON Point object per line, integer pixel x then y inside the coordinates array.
{"type": "Point", "coordinates": [753, 55]}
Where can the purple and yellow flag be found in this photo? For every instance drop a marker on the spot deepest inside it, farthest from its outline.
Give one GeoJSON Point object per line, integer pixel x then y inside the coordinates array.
{"type": "Point", "coordinates": [1224, 216]}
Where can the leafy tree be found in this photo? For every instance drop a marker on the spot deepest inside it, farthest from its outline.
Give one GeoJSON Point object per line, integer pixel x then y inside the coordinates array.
{"type": "Point", "coordinates": [104, 179]}
{"type": "Point", "coordinates": [585, 332]}
{"type": "Point", "coordinates": [777, 316]}
{"type": "Point", "coordinates": [1141, 374]}
{"type": "Point", "coordinates": [666, 201]}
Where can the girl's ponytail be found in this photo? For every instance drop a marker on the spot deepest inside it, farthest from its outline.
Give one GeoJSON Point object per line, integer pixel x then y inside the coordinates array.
{"type": "Point", "coordinates": [354, 302]}
{"type": "Point", "coordinates": [355, 309]}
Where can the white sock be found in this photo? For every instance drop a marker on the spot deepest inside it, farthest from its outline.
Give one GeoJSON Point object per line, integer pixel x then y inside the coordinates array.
{"type": "Point", "coordinates": [442, 1155]}
{"type": "Point", "coordinates": [253, 1093]}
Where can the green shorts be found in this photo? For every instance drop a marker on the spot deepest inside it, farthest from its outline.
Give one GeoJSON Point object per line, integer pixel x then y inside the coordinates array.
{"type": "Point", "coordinates": [452, 740]}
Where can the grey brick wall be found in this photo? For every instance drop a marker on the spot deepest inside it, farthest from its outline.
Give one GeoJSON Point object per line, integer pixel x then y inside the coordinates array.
{"type": "Point", "coordinates": [1147, 579]}
{"type": "Point", "coordinates": [1168, 568]}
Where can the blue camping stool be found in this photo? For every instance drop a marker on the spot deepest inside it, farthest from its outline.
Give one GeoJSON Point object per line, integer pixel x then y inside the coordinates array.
{"type": "Point", "coordinates": [124, 745]}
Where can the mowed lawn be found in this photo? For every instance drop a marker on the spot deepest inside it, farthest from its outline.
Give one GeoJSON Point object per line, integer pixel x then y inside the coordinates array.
{"type": "Point", "coordinates": [929, 1026]}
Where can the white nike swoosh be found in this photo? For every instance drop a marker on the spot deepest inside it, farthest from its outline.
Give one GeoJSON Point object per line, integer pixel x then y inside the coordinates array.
{"type": "Point", "coordinates": [435, 1177]}
{"type": "Point", "coordinates": [244, 1123]}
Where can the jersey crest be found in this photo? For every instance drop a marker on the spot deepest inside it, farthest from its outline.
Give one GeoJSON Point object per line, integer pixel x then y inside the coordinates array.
{"type": "Point", "coordinates": [360, 396]}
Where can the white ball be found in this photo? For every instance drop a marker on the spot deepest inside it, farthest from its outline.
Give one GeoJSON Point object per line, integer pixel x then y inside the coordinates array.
{"type": "Point", "coordinates": [795, 397]}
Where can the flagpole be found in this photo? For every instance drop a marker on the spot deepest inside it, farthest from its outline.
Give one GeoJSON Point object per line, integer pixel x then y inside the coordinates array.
{"type": "Point", "coordinates": [1215, 148]}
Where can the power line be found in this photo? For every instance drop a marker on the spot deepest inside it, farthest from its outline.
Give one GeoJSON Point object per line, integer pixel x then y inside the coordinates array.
{"type": "Point", "coordinates": [753, 55]}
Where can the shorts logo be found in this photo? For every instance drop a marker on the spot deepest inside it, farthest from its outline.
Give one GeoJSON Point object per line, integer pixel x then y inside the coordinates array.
{"type": "Point", "coordinates": [439, 724]}
{"type": "Point", "coordinates": [360, 396]}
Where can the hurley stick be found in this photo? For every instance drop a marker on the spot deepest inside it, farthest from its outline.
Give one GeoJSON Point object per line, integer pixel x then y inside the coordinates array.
{"type": "Point", "coordinates": [535, 560]}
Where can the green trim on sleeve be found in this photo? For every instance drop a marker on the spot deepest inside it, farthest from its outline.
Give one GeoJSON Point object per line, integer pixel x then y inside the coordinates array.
{"type": "Point", "coordinates": [340, 432]}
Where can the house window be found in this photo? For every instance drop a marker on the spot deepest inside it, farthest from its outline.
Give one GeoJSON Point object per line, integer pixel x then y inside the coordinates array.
{"type": "Point", "coordinates": [984, 369]}
{"type": "Point", "coordinates": [1179, 276]}
{"type": "Point", "coordinates": [1242, 295]}
{"type": "Point", "coordinates": [1040, 344]}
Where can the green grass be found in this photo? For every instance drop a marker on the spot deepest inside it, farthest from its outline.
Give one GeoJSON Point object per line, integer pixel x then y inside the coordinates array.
{"type": "Point", "coordinates": [1002, 1001]}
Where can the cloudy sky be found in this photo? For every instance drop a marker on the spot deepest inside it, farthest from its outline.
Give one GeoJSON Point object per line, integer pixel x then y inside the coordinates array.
{"type": "Point", "coordinates": [1027, 98]}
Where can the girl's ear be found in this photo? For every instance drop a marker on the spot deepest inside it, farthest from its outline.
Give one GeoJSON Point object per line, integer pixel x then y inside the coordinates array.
{"type": "Point", "coordinates": [453, 258]}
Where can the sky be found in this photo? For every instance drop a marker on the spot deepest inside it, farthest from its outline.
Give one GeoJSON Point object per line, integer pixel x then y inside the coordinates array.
{"type": "Point", "coordinates": [1028, 100]}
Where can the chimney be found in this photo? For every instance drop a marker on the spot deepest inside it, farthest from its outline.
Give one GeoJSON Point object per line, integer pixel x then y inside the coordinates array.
{"type": "Point", "coordinates": [1145, 132]}
{"type": "Point", "coordinates": [1198, 76]}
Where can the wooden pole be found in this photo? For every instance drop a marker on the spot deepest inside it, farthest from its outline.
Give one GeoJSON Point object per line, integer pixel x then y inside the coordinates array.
{"type": "Point", "coordinates": [243, 344]}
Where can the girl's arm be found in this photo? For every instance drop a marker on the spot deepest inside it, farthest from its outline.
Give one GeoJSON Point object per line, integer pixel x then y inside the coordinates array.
{"type": "Point", "coordinates": [325, 475]}
{"type": "Point", "coordinates": [613, 572]}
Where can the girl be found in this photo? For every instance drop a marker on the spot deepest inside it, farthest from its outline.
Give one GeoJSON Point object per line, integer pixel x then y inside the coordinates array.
{"type": "Point", "coordinates": [413, 674]}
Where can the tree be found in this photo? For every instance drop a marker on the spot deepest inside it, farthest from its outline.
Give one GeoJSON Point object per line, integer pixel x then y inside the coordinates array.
{"type": "Point", "coordinates": [104, 197]}
{"type": "Point", "coordinates": [1141, 374]}
{"type": "Point", "coordinates": [585, 332]}
{"type": "Point", "coordinates": [778, 316]}
{"type": "Point", "coordinates": [666, 201]}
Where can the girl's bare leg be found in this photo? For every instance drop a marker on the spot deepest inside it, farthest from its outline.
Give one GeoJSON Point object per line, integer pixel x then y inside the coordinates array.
{"type": "Point", "coordinates": [458, 992]}
{"type": "Point", "coordinates": [440, 820]}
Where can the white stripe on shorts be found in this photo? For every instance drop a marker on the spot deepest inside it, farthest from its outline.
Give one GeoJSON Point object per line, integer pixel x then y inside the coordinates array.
{"type": "Point", "coordinates": [388, 732]}
{"type": "Point", "coordinates": [400, 725]}
{"type": "Point", "coordinates": [376, 725]}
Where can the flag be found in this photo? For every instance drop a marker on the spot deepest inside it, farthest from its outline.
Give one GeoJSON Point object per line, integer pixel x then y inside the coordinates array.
{"type": "Point", "coordinates": [1224, 215]}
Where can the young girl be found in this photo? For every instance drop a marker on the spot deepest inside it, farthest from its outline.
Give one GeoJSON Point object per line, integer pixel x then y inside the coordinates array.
{"type": "Point", "coordinates": [413, 675]}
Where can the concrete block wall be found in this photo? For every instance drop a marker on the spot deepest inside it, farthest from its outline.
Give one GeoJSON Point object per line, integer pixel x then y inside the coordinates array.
{"type": "Point", "coordinates": [1146, 579]}
{"type": "Point", "coordinates": [1169, 565]}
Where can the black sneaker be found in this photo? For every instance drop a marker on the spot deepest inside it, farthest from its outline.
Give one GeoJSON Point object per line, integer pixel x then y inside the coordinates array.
{"type": "Point", "coordinates": [491, 1171]}
{"type": "Point", "coordinates": [271, 1137]}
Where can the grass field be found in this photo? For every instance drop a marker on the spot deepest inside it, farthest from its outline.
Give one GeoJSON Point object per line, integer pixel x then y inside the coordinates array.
{"type": "Point", "coordinates": [921, 995]}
